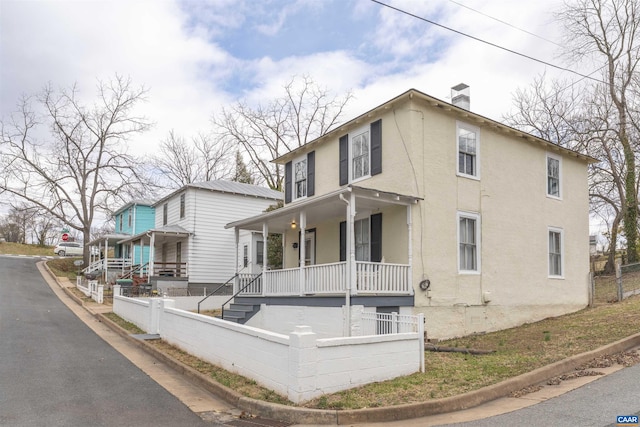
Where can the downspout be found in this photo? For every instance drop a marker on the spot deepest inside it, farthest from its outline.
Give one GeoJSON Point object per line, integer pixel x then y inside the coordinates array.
{"type": "Point", "coordinates": [347, 294]}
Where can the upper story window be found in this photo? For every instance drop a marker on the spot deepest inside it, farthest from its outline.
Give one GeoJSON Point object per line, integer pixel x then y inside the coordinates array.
{"type": "Point", "coordinates": [130, 219]}
{"type": "Point", "coordinates": [121, 220]}
{"type": "Point", "coordinates": [469, 242]}
{"type": "Point", "coordinates": [182, 205]}
{"type": "Point", "coordinates": [554, 175]}
{"type": "Point", "coordinates": [555, 252]}
{"type": "Point", "coordinates": [165, 213]}
{"type": "Point", "coordinates": [300, 173]}
{"type": "Point", "coordinates": [299, 177]}
{"type": "Point", "coordinates": [360, 155]}
{"type": "Point", "coordinates": [468, 149]}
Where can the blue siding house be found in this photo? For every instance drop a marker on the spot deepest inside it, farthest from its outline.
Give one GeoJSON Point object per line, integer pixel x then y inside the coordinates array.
{"type": "Point", "coordinates": [131, 219]}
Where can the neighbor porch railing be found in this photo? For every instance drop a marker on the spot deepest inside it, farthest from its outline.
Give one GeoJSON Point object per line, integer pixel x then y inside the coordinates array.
{"type": "Point", "coordinates": [389, 323]}
{"type": "Point", "coordinates": [371, 278]}
{"type": "Point", "coordinates": [121, 264]}
{"type": "Point", "coordinates": [170, 269]}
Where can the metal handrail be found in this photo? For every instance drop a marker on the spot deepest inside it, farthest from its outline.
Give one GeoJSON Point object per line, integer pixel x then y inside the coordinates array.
{"type": "Point", "coordinates": [217, 289]}
{"type": "Point", "coordinates": [236, 294]}
{"type": "Point", "coordinates": [134, 269]}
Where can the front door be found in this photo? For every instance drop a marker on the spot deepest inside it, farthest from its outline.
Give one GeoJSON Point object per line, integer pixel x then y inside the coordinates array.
{"type": "Point", "coordinates": [310, 247]}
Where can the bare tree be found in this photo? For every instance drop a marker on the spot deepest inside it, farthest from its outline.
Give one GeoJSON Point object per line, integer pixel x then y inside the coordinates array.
{"type": "Point", "coordinates": [70, 160]}
{"type": "Point", "coordinates": [182, 162]}
{"type": "Point", "coordinates": [596, 116]}
{"type": "Point", "coordinates": [265, 132]}
{"type": "Point", "coordinates": [609, 31]}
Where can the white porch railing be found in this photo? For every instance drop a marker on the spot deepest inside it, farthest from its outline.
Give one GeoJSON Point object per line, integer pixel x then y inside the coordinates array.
{"type": "Point", "coordinates": [326, 278]}
{"type": "Point", "coordinates": [371, 278]}
{"type": "Point", "coordinates": [111, 264]}
{"type": "Point", "coordinates": [254, 287]}
{"type": "Point", "coordinates": [378, 278]}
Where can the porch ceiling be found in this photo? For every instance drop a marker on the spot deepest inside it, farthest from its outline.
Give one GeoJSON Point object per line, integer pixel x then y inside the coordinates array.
{"type": "Point", "coordinates": [322, 208]}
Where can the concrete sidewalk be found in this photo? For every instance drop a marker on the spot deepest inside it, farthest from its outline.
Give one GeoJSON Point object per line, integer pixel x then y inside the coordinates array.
{"type": "Point", "coordinates": [194, 389]}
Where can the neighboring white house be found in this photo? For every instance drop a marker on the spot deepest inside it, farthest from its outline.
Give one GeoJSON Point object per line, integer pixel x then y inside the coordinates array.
{"type": "Point", "coordinates": [422, 206]}
{"type": "Point", "coordinates": [189, 243]}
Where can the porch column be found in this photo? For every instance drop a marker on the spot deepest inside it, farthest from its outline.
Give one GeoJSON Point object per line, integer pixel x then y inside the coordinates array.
{"type": "Point", "coordinates": [236, 283]}
{"type": "Point", "coordinates": [302, 250]}
{"type": "Point", "coordinates": [105, 261]}
{"type": "Point", "coordinates": [265, 234]}
{"type": "Point", "coordinates": [152, 253]}
{"type": "Point", "coordinates": [410, 247]}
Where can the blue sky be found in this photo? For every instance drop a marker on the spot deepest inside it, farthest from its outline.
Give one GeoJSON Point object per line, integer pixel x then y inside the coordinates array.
{"type": "Point", "coordinates": [197, 57]}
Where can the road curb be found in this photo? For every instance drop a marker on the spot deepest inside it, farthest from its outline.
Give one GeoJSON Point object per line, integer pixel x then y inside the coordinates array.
{"type": "Point", "coordinates": [367, 415]}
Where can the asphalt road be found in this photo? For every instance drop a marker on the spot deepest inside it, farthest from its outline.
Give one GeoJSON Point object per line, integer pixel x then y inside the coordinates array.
{"type": "Point", "coordinates": [55, 371]}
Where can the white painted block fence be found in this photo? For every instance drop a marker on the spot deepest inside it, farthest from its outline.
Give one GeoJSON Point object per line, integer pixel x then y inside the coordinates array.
{"type": "Point", "coordinates": [298, 365]}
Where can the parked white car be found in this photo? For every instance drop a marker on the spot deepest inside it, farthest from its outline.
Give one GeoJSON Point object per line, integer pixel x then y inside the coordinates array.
{"type": "Point", "coordinates": [68, 248]}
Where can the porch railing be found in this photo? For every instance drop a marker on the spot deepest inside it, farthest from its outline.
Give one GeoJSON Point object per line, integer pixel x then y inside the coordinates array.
{"type": "Point", "coordinates": [378, 278]}
{"type": "Point", "coordinates": [371, 278]}
{"type": "Point", "coordinates": [121, 264]}
{"type": "Point", "coordinates": [170, 269]}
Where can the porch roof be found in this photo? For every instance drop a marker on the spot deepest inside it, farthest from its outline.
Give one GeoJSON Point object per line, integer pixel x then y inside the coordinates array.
{"type": "Point", "coordinates": [319, 208]}
{"type": "Point", "coordinates": [168, 230]}
{"type": "Point", "coordinates": [110, 239]}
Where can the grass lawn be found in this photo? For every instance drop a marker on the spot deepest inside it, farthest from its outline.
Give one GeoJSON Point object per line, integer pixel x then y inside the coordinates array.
{"type": "Point", "coordinates": [7, 248]}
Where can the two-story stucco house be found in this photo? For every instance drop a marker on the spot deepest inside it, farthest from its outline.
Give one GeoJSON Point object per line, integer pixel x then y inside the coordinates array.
{"type": "Point", "coordinates": [189, 244]}
{"type": "Point", "coordinates": [422, 206]}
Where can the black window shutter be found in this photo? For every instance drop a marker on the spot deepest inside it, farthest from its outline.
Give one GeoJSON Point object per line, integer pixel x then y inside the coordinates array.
{"type": "Point", "coordinates": [311, 173]}
{"type": "Point", "coordinates": [376, 237]}
{"type": "Point", "coordinates": [287, 182]}
{"type": "Point", "coordinates": [343, 241]}
{"type": "Point", "coordinates": [344, 160]}
{"type": "Point", "coordinates": [376, 147]}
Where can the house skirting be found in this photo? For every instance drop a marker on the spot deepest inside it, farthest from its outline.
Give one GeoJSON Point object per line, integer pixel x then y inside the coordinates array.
{"type": "Point", "coordinates": [331, 301]}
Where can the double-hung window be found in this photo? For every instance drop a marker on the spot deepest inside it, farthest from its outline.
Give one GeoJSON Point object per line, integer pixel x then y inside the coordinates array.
{"type": "Point", "coordinates": [468, 242]}
{"type": "Point", "coordinates": [300, 178]}
{"type": "Point", "coordinates": [182, 205]}
{"type": "Point", "coordinates": [165, 213]}
{"type": "Point", "coordinates": [554, 169]}
{"type": "Point", "coordinates": [555, 252]}
{"type": "Point", "coordinates": [360, 155]}
{"type": "Point", "coordinates": [468, 150]}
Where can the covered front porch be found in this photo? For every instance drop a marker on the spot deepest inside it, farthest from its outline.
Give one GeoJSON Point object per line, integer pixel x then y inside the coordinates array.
{"type": "Point", "coordinates": [357, 242]}
{"type": "Point", "coordinates": [160, 252]}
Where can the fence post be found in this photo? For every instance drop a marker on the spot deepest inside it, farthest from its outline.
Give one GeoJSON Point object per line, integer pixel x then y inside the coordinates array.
{"type": "Point", "coordinates": [394, 323]}
{"type": "Point", "coordinates": [100, 294]}
{"type": "Point", "coordinates": [619, 280]}
{"type": "Point", "coordinates": [116, 290]}
{"type": "Point", "coordinates": [421, 338]}
{"type": "Point", "coordinates": [303, 358]}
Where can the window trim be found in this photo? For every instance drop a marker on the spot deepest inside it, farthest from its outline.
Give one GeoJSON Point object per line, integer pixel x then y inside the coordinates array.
{"type": "Point", "coordinates": [477, 231]}
{"type": "Point", "coordinates": [559, 231]}
{"type": "Point", "coordinates": [546, 167]}
{"type": "Point", "coordinates": [475, 129]}
{"type": "Point", "coordinates": [360, 131]}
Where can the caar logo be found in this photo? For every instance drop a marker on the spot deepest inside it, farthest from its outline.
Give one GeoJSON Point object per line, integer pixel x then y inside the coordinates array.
{"type": "Point", "coordinates": [627, 420]}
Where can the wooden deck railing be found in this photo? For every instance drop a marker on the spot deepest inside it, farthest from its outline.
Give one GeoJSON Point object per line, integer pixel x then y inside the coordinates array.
{"type": "Point", "coordinates": [170, 269]}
